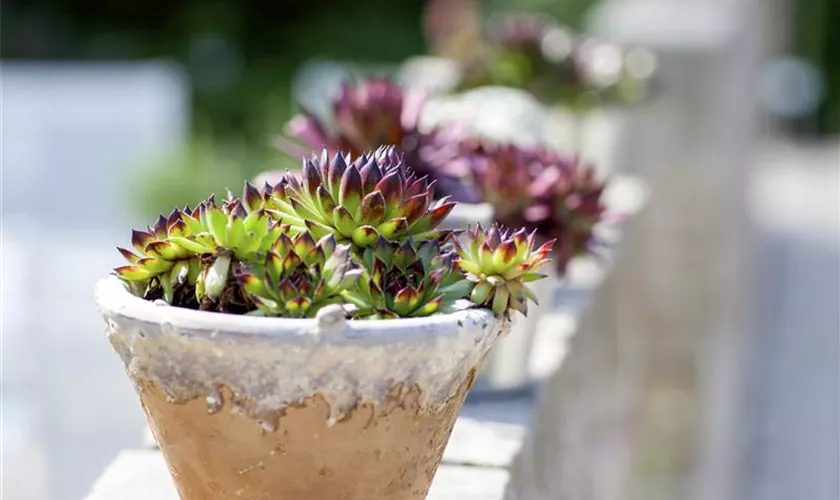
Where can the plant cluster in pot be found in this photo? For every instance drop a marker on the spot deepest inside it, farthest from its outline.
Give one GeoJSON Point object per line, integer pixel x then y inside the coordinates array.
{"type": "Point", "coordinates": [315, 339]}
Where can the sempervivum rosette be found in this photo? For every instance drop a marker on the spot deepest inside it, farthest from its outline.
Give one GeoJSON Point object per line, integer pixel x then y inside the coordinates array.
{"type": "Point", "coordinates": [298, 276]}
{"type": "Point", "coordinates": [160, 266]}
{"type": "Point", "coordinates": [188, 257]}
{"type": "Point", "coordinates": [358, 200]}
{"type": "Point", "coordinates": [407, 279]}
{"type": "Point", "coordinates": [499, 265]}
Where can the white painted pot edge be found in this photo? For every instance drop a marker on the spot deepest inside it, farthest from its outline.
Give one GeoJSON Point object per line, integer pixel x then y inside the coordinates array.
{"type": "Point", "coordinates": [273, 362]}
{"type": "Point", "coordinates": [114, 299]}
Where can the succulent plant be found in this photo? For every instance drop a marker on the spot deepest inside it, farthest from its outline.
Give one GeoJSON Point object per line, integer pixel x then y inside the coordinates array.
{"type": "Point", "coordinates": [161, 264]}
{"type": "Point", "coordinates": [379, 252]}
{"type": "Point", "coordinates": [196, 249]}
{"type": "Point", "coordinates": [407, 279]}
{"type": "Point", "coordinates": [535, 188]}
{"type": "Point", "coordinates": [298, 276]}
{"type": "Point", "coordinates": [359, 200]}
{"type": "Point", "coordinates": [499, 264]}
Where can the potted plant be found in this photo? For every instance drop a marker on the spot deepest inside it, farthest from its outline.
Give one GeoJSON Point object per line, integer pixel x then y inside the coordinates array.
{"type": "Point", "coordinates": [314, 340]}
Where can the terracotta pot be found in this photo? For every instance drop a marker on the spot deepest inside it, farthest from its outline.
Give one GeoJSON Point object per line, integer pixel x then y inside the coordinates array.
{"type": "Point", "coordinates": [267, 408]}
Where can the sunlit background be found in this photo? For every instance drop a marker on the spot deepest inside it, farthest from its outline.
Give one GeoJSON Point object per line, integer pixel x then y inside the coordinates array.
{"type": "Point", "coordinates": [113, 112]}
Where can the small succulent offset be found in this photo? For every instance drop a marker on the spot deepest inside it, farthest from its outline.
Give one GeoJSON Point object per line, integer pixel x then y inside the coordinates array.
{"type": "Point", "coordinates": [358, 233]}
{"type": "Point", "coordinates": [407, 279]}
{"type": "Point", "coordinates": [299, 276]}
{"type": "Point", "coordinates": [499, 264]}
{"type": "Point", "coordinates": [359, 200]}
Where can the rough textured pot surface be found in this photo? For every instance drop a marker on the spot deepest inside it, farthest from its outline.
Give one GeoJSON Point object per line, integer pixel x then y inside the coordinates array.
{"type": "Point", "coordinates": [267, 408]}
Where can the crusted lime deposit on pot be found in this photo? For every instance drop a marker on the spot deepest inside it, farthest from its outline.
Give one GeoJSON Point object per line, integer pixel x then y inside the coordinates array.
{"type": "Point", "coordinates": [271, 363]}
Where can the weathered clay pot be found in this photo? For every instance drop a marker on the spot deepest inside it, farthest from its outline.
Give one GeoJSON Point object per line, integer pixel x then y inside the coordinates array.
{"type": "Point", "coordinates": [259, 408]}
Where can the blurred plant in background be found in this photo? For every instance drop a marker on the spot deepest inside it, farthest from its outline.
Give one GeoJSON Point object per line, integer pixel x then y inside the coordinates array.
{"type": "Point", "coordinates": [817, 41]}
{"type": "Point", "coordinates": [534, 52]}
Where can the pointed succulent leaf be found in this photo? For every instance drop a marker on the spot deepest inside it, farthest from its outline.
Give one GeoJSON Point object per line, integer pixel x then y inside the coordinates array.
{"type": "Point", "coordinates": [139, 239]}
{"type": "Point", "coordinates": [128, 255]}
{"type": "Point", "coordinates": [273, 267]}
{"type": "Point", "coordinates": [336, 172]}
{"type": "Point", "coordinates": [350, 194]}
{"type": "Point", "coordinates": [481, 292]}
{"type": "Point", "coordinates": [365, 236]}
{"type": "Point", "coordinates": [373, 208]}
{"type": "Point", "coordinates": [133, 273]}
{"type": "Point", "coordinates": [326, 203]}
{"type": "Point", "coordinates": [160, 227]}
{"type": "Point", "coordinates": [191, 244]}
{"type": "Point", "coordinates": [317, 229]}
{"type": "Point", "coordinates": [153, 265]}
{"type": "Point", "coordinates": [500, 300]}
{"type": "Point", "coordinates": [414, 208]}
{"type": "Point", "coordinates": [252, 198]}
{"type": "Point", "coordinates": [393, 228]}
{"type": "Point", "coordinates": [430, 307]}
{"type": "Point", "coordinates": [166, 250]}
{"type": "Point", "coordinates": [343, 222]}
{"type": "Point", "coordinates": [305, 212]}
{"type": "Point", "coordinates": [392, 191]}
{"type": "Point", "coordinates": [215, 220]}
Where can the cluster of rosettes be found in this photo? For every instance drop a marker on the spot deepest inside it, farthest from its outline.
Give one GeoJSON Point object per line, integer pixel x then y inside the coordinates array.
{"type": "Point", "coordinates": [361, 233]}
{"type": "Point", "coordinates": [299, 276]}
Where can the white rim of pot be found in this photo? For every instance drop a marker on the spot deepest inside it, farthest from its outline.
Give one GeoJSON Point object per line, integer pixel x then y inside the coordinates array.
{"type": "Point", "coordinates": [114, 299]}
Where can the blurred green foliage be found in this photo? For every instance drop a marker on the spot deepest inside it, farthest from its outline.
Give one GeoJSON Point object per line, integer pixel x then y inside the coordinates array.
{"type": "Point", "coordinates": [816, 38]}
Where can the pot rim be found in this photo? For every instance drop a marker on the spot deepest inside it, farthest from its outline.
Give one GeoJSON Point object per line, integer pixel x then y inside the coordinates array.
{"type": "Point", "coordinates": [114, 299]}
